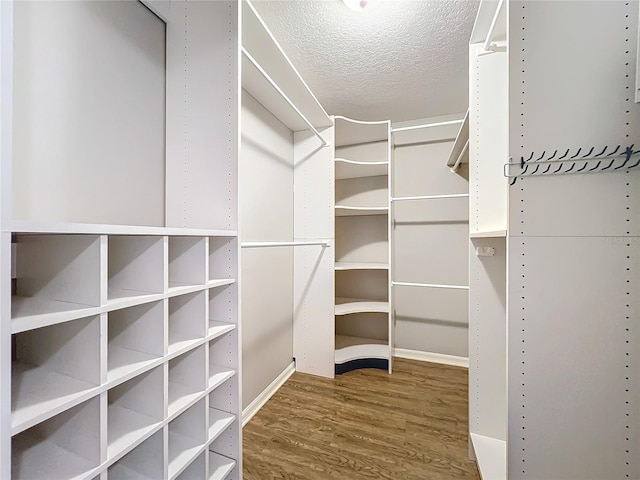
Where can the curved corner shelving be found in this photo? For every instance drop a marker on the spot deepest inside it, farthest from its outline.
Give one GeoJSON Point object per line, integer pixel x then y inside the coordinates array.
{"type": "Point", "coordinates": [361, 266]}
{"type": "Point", "coordinates": [347, 211]}
{"type": "Point", "coordinates": [355, 169]}
{"type": "Point", "coordinates": [349, 348]}
{"type": "Point", "coordinates": [346, 306]}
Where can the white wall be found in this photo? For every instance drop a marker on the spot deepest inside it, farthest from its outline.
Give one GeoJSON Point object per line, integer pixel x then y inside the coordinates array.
{"type": "Point", "coordinates": [89, 94]}
{"type": "Point", "coordinates": [266, 204]}
{"type": "Point", "coordinates": [430, 244]}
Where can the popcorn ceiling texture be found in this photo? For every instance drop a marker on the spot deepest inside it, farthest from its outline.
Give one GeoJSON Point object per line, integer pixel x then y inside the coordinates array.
{"type": "Point", "coordinates": [401, 60]}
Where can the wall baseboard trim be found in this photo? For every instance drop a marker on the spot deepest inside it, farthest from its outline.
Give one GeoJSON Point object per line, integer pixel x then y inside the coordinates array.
{"type": "Point", "coordinates": [255, 406]}
{"type": "Point", "coordinates": [432, 357]}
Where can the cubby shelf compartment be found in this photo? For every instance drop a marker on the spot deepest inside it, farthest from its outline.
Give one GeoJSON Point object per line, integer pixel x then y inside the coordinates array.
{"type": "Point", "coordinates": [219, 466]}
{"type": "Point", "coordinates": [196, 470]}
{"type": "Point", "coordinates": [361, 266]}
{"type": "Point", "coordinates": [135, 340]}
{"type": "Point", "coordinates": [219, 421]}
{"type": "Point", "coordinates": [135, 267]}
{"type": "Point", "coordinates": [353, 348]}
{"type": "Point", "coordinates": [218, 328]}
{"type": "Point", "coordinates": [187, 438]}
{"type": "Point", "coordinates": [346, 306]}
{"type": "Point", "coordinates": [187, 320]}
{"type": "Point", "coordinates": [357, 169]}
{"type": "Point", "coordinates": [187, 264]}
{"type": "Point", "coordinates": [64, 446]}
{"type": "Point", "coordinates": [347, 211]}
{"type": "Point", "coordinates": [135, 408]}
{"type": "Point", "coordinates": [55, 368]}
{"type": "Point", "coordinates": [223, 253]}
{"type": "Point", "coordinates": [221, 366]}
{"type": "Point", "coordinates": [57, 279]}
{"type": "Point", "coordinates": [145, 462]}
{"type": "Point", "coordinates": [186, 379]}
{"type": "Point", "coordinates": [491, 456]}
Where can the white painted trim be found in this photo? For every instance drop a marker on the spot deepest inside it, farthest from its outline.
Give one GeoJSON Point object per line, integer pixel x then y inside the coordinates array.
{"type": "Point", "coordinates": [255, 406]}
{"type": "Point", "coordinates": [432, 357]}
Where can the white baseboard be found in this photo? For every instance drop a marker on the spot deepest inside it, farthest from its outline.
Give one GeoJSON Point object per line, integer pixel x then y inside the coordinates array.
{"type": "Point", "coordinates": [432, 357]}
{"type": "Point", "coordinates": [255, 406]}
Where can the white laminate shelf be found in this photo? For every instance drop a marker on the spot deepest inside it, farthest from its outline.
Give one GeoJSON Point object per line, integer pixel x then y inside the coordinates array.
{"type": "Point", "coordinates": [219, 466]}
{"type": "Point", "coordinates": [355, 169]}
{"type": "Point", "coordinates": [488, 234]}
{"type": "Point", "coordinates": [218, 375]}
{"type": "Point", "coordinates": [127, 427]}
{"type": "Point", "coordinates": [350, 348]}
{"type": "Point", "coordinates": [491, 456]}
{"type": "Point", "coordinates": [182, 451]}
{"type": "Point", "coordinates": [346, 306]}
{"type": "Point", "coordinates": [361, 266]}
{"type": "Point", "coordinates": [219, 421]}
{"type": "Point", "coordinates": [122, 472]}
{"type": "Point", "coordinates": [350, 211]}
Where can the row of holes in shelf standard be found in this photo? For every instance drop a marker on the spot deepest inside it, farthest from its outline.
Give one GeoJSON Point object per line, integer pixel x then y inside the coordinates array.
{"type": "Point", "coordinates": [68, 445]}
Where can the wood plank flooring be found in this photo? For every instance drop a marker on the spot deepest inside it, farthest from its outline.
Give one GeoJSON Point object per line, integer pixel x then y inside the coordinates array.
{"type": "Point", "coordinates": [364, 424]}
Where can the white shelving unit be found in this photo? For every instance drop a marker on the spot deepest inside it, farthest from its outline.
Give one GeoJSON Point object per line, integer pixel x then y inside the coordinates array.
{"type": "Point", "coordinates": [119, 319]}
{"type": "Point", "coordinates": [364, 327]}
{"type": "Point", "coordinates": [552, 310]}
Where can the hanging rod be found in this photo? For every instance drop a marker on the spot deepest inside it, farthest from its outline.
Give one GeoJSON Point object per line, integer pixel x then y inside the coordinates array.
{"type": "Point", "coordinates": [456, 165]}
{"type": "Point", "coordinates": [284, 96]}
{"type": "Point", "coordinates": [283, 244]}
{"type": "Point", "coordinates": [429, 285]}
{"type": "Point", "coordinates": [430, 197]}
{"type": "Point", "coordinates": [426, 125]}
{"type": "Point", "coordinates": [489, 47]}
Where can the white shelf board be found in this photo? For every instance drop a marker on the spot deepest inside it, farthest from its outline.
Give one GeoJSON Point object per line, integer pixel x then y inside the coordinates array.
{"type": "Point", "coordinates": [124, 363]}
{"type": "Point", "coordinates": [219, 466]}
{"type": "Point", "coordinates": [182, 451]}
{"type": "Point", "coordinates": [353, 348]}
{"type": "Point", "coordinates": [218, 375]}
{"type": "Point", "coordinates": [38, 393]}
{"type": "Point", "coordinates": [491, 456]}
{"type": "Point", "coordinates": [361, 266]}
{"type": "Point", "coordinates": [354, 132]}
{"type": "Point", "coordinates": [26, 226]}
{"type": "Point", "coordinates": [179, 286]}
{"type": "Point", "coordinates": [219, 421]}
{"type": "Point", "coordinates": [461, 139]}
{"type": "Point", "coordinates": [345, 306]}
{"type": "Point", "coordinates": [346, 211]}
{"type": "Point", "coordinates": [489, 234]}
{"type": "Point", "coordinates": [46, 459]}
{"type": "Point", "coordinates": [353, 169]}
{"type": "Point", "coordinates": [122, 472]}
{"type": "Point", "coordinates": [220, 282]}
{"type": "Point", "coordinates": [217, 329]}
{"type": "Point", "coordinates": [181, 396]}
{"type": "Point", "coordinates": [28, 313]}
{"type": "Point", "coordinates": [125, 427]}
{"type": "Point", "coordinates": [180, 341]}
{"type": "Point", "coordinates": [263, 47]}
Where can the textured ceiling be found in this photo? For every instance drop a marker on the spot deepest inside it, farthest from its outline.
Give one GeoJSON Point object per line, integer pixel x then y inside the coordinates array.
{"type": "Point", "coordinates": [400, 60]}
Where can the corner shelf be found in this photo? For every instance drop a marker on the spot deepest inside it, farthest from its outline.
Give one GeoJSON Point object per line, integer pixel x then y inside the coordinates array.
{"type": "Point", "coordinates": [346, 169]}
{"type": "Point", "coordinates": [219, 466]}
{"type": "Point", "coordinates": [339, 266]}
{"type": "Point", "coordinates": [349, 348]}
{"type": "Point", "coordinates": [348, 211]}
{"type": "Point", "coordinates": [346, 306]}
{"type": "Point", "coordinates": [488, 234]}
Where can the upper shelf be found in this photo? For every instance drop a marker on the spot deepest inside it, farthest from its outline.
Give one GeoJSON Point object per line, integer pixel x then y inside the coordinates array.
{"type": "Point", "coordinates": [260, 44]}
{"type": "Point", "coordinates": [354, 169]}
{"type": "Point", "coordinates": [460, 150]}
{"type": "Point", "coordinates": [356, 132]}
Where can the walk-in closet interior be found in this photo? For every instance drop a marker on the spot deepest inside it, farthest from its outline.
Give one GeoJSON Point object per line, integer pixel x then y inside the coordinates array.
{"type": "Point", "coordinates": [192, 211]}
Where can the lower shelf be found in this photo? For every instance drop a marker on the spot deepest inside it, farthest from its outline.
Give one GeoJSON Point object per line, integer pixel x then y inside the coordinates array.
{"type": "Point", "coordinates": [491, 456]}
{"type": "Point", "coordinates": [355, 348]}
{"type": "Point", "coordinates": [219, 466]}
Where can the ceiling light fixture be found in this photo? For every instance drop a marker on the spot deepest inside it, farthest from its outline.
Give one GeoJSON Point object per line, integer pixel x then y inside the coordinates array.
{"type": "Point", "coordinates": [359, 5]}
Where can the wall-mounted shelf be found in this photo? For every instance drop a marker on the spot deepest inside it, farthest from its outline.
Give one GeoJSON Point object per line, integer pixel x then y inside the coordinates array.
{"type": "Point", "coordinates": [361, 266]}
{"type": "Point", "coordinates": [355, 169]}
{"type": "Point", "coordinates": [489, 234]}
{"type": "Point", "coordinates": [346, 306]}
{"type": "Point", "coordinates": [347, 211]}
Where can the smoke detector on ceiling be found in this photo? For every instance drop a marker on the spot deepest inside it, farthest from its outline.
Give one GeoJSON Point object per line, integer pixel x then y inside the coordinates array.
{"type": "Point", "coordinates": [360, 5]}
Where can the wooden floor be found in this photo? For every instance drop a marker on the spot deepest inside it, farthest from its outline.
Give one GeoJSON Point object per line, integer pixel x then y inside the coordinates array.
{"type": "Point", "coordinates": [364, 424]}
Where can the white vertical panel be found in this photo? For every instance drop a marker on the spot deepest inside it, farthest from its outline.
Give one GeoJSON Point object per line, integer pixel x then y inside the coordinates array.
{"type": "Point", "coordinates": [89, 113]}
{"type": "Point", "coordinates": [313, 287]}
{"type": "Point", "coordinates": [574, 366]}
{"type": "Point", "coordinates": [202, 115]}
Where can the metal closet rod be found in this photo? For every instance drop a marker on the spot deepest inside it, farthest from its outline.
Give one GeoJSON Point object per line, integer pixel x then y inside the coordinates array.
{"type": "Point", "coordinates": [430, 197]}
{"type": "Point", "coordinates": [426, 125]}
{"type": "Point", "coordinates": [487, 48]}
{"type": "Point", "coordinates": [284, 96]}
{"type": "Point", "coordinates": [429, 285]}
{"type": "Point", "coordinates": [283, 244]}
{"type": "Point", "coordinates": [456, 165]}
